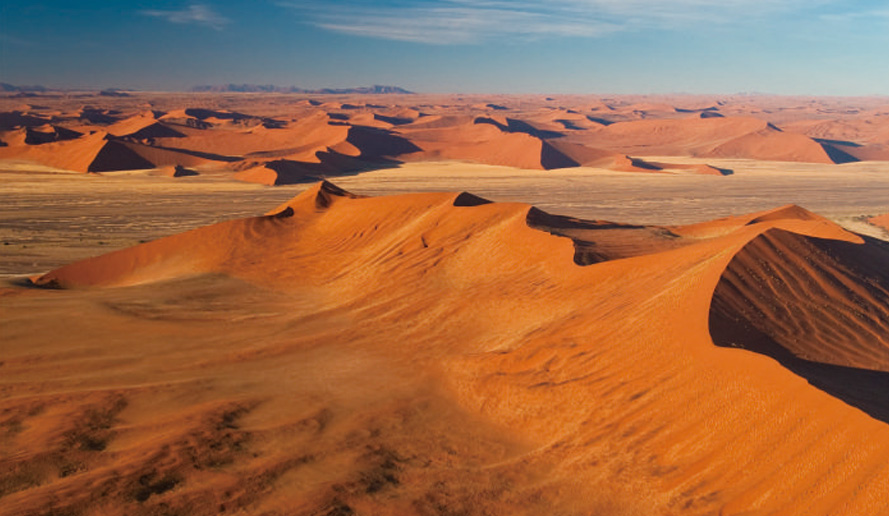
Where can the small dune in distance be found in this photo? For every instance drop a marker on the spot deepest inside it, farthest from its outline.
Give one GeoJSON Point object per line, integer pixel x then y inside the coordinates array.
{"type": "Point", "coordinates": [341, 304]}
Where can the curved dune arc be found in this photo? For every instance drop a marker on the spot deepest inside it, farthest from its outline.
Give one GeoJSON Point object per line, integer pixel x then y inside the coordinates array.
{"type": "Point", "coordinates": [818, 306]}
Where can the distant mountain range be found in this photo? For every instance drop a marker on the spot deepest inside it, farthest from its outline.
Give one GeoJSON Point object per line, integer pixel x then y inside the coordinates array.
{"type": "Point", "coordinates": [11, 88]}
{"type": "Point", "coordinates": [269, 88]}
{"type": "Point", "coordinates": [226, 88]}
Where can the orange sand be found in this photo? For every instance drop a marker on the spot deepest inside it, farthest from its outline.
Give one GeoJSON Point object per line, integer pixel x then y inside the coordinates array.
{"type": "Point", "coordinates": [436, 353]}
{"type": "Point", "coordinates": [329, 137]}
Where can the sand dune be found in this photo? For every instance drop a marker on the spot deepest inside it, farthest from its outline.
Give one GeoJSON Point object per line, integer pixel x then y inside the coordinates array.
{"type": "Point", "coordinates": [829, 308]}
{"type": "Point", "coordinates": [525, 132]}
{"type": "Point", "coordinates": [775, 145]}
{"type": "Point", "coordinates": [143, 126]}
{"type": "Point", "coordinates": [715, 137]}
{"type": "Point", "coordinates": [504, 141]}
{"type": "Point", "coordinates": [881, 221]}
{"type": "Point", "coordinates": [90, 153]}
{"type": "Point", "coordinates": [818, 306]}
{"type": "Point", "coordinates": [470, 363]}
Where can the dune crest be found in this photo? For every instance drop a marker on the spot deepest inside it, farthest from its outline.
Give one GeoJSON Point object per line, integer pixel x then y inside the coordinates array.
{"type": "Point", "coordinates": [538, 134]}
{"type": "Point", "coordinates": [417, 349]}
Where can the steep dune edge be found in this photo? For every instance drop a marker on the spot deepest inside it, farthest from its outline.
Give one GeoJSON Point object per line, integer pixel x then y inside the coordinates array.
{"type": "Point", "coordinates": [818, 306]}
{"type": "Point", "coordinates": [307, 232]}
{"type": "Point", "coordinates": [431, 353]}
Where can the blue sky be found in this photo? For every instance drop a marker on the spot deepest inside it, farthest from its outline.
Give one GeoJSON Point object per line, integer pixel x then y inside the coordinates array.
{"type": "Point", "coordinates": [825, 47]}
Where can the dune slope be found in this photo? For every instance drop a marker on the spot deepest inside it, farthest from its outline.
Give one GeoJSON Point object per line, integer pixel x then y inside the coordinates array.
{"type": "Point", "coordinates": [434, 354]}
{"type": "Point", "coordinates": [818, 306]}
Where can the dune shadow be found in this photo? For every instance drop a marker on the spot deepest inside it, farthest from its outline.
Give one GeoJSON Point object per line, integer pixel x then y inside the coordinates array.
{"type": "Point", "coordinates": [803, 331]}
{"type": "Point", "coordinates": [865, 389]}
{"type": "Point", "coordinates": [601, 121]}
{"type": "Point", "coordinates": [394, 120]}
{"type": "Point", "coordinates": [569, 125]}
{"type": "Point", "coordinates": [202, 113]}
{"type": "Point", "coordinates": [468, 200]}
{"type": "Point", "coordinates": [331, 165]}
{"type": "Point", "coordinates": [600, 241]}
{"type": "Point", "coordinates": [197, 154]}
{"type": "Point", "coordinates": [837, 155]}
{"type": "Point", "coordinates": [843, 143]}
{"type": "Point", "coordinates": [27, 282]}
{"type": "Point", "coordinates": [514, 125]}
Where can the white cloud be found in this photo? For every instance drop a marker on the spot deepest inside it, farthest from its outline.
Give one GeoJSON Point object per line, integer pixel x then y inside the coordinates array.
{"type": "Point", "coordinates": [198, 14]}
{"type": "Point", "coordinates": [447, 24]}
{"type": "Point", "coordinates": [876, 15]}
{"type": "Point", "coordinates": [472, 21]}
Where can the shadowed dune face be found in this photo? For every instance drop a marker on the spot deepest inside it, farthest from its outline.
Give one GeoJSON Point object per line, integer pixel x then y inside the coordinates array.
{"type": "Point", "coordinates": [818, 306]}
{"type": "Point", "coordinates": [437, 353]}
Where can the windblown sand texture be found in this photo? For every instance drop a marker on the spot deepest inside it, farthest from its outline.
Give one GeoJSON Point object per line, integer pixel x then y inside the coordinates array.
{"type": "Point", "coordinates": [437, 353]}
{"type": "Point", "coordinates": [278, 139]}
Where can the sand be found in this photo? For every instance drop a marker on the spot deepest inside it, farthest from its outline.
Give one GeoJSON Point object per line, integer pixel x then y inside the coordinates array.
{"type": "Point", "coordinates": [443, 337]}
{"type": "Point", "coordinates": [469, 364]}
{"type": "Point", "coordinates": [51, 218]}
{"type": "Point", "coordinates": [276, 139]}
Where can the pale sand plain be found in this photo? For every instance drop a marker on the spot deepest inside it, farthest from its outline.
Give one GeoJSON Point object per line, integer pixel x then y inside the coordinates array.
{"type": "Point", "coordinates": [50, 217]}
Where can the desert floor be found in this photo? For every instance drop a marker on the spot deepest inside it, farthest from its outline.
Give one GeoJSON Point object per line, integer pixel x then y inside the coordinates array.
{"type": "Point", "coordinates": [49, 217]}
{"type": "Point", "coordinates": [432, 354]}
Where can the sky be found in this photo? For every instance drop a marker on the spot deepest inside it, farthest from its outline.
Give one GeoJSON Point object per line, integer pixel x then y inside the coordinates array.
{"type": "Point", "coordinates": [794, 47]}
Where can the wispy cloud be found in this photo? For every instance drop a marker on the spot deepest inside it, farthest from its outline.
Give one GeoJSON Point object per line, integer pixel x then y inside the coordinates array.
{"type": "Point", "coordinates": [873, 15]}
{"type": "Point", "coordinates": [471, 21]}
{"type": "Point", "coordinates": [198, 14]}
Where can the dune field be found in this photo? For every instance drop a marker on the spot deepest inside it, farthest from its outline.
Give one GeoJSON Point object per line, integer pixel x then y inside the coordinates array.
{"type": "Point", "coordinates": [287, 304]}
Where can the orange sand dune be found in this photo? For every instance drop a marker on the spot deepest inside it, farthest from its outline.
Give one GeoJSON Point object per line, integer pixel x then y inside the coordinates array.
{"type": "Point", "coordinates": [37, 135]}
{"type": "Point", "coordinates": [502, 141]}
{"type": "Point", "coordinates": [435, 353]}
{"type": "Point", "coordinates": [772, 144]}
{"type": "Point", "coordinates": [829, 308]}
{"type": "Point", "coordinates": [560, 120]}
{"type": "Point", "coordinates": [841, 130]}
{"type": "Point", "coordinates": [90, 153]}
{"type": "Point", "coordinates": [143, 126]}
{"type": "Point", "coordinates": [299, 140]}
{"type": "Point", "coordinates": [880, 220]}
{"type": "Point", "coordinates": [311, 133]}
{"type": "Point", "coordinates": [287, 171]}
{"type": "Point", "coordinates": [736, 137]}
{"type": "Point", "coordinates": [91, 115]}
{"type": "Point", "coordinates": [163, 157]}
{"type": "Point", "coordinates": [647, 107]}
{"type": "Point", "coordinates": [598, 105]}
{"type": "Point", "coordinates": [530, 132]}
{"type": "Point", "coordinates": [673, 136]}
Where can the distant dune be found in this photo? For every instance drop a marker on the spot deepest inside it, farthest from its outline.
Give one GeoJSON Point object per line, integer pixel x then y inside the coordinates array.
{"type": "Point", "coordinates": [880, 220]}
{"type": "Point", "coordinates": [346, 132]}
